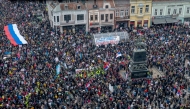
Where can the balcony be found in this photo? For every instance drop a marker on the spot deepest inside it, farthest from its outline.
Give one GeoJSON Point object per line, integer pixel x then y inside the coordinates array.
{"type": "Point", "coordinates": [139, 15]}
{"type": "Point", "coordinates": [70, 22]}
{"type": "Point", "coordinates": [80, 21]}
{"type": "Point", "coordinates": [107, 22]}
{"type": "Point", "coordinates": [122, 18]}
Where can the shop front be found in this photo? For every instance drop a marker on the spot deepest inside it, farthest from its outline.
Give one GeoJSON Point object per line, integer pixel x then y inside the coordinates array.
{"type": "Point", "coordinates": [145, 23]}
{"type": "Point", "coordinates": [80, 28]}
{"type": "Point", "coordinates": [139, 23]}
{"type": "Point", "coordinates": [67, 29]}
{"type": "Point", "coordinates": [132, 24]}
{"type": "Point", "coordinates": [122, 24]}
{"type": "Point", "coordinates": [105, 29]}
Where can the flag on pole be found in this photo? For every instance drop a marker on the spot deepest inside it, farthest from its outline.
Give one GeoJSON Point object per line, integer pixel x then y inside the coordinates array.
{"type": "Point", "coordinates": [118, 54]}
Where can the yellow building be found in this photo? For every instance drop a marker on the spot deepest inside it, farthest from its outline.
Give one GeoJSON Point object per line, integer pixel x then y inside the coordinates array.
{"type": "Point", "coordinates": [140, 13]}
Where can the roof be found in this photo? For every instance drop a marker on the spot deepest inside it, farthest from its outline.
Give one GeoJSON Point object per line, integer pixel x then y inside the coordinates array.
{"type": "Point", "coordinates": [121, 3]}
{"type": "Point", "coordinates": [170, 1]}
{"type": "Point", "coordinates": [112, 4]}
{"type": "Point", "coordinates": [72, 6]}
{"type": "Point", "coordinates": [99, 3]}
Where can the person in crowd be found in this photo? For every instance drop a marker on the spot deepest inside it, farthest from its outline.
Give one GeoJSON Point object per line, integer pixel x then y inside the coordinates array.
{"type": "Point", "coordinates": [28, 76]}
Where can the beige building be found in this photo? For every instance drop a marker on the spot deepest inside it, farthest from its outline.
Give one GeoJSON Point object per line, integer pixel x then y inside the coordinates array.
{"type": "Point", "coordinates": [122, 12]}
{"type": "Point", "coordinates": [100, 15]}
{"type": "Point", "coordinates": [140, 14]}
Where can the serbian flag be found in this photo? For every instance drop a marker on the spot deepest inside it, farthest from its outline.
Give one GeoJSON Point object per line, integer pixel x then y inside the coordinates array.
{"type": "Point", "coordinates": [106, 65]}
{"type": "Point", "coordinates": [118, 54]}
{"type": "Point", "coordinates": [14, 35]}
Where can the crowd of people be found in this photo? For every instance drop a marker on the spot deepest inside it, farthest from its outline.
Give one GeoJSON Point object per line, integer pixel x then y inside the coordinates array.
{"type": "Point", "coordinates": [28, 75]}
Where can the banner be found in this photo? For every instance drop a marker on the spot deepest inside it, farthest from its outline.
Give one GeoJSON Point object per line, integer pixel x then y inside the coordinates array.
{"type": "Point", "coordinates": [107, 40]}
{"type": "Point", "coordinates": [87, 73]}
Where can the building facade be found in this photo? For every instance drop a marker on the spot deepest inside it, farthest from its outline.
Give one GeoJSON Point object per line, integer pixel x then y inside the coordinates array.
{"type": "Point", "coordinates": [170, 12]}
{"type": "Point", "coordinates": [100, 15]}
{"type": "Point", "coordinates": [122, 13]}
{"type": "Point", "coordinates": [70, 16]}
{"type": "Point", "coordinates": [140, 13]}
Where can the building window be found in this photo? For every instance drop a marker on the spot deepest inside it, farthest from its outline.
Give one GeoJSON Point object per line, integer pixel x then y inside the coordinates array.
{"type": "Point", "coordinates": [111, 16]}
{"type": "Point", "coordinates": [54, 19]}
{"type": "Point", "coordinates": [66, 7]}
{"type": "Point", "coordinates": [161, 11]}
{"type": "Point", "coordinates": [126, 13]}
{"type": "Point", "coordinates": [57, 18]}
{"type": "Point", "coordinates": [102, 16]}
{"type": "Point", "coordinates": [155, 12]}
{"type": "Point", "coordinates": [132, 9]}
{"type": "Point", "coordinates": [175, 10]}
{"type": "Point", "coordinates": [78, 7]}
{"type": "Point", "coordinates": [117, 13]}
{"type": "Point", "coordinates": [121, 13]}
{"type": "Point", "coordinates": [180, 10]}
{"type": "Point", "coordinates": [187, 9]}
{"type": "Point", "coordinates": [67, 17]}
{"type": "Point", "coordinates": [80, 17]}
{"type": "Point", "coordinates": [141, 10]}
{"type": "Point", "coordinates": [147, 8]}
{"type": "Point", "coordinates": [91, 17]}
{"type": "Point", "coordinates": [106, 6]}
{"type": "Point", "coordinates": [169, 11]}
{"type": "Point", "coordinates": [96, 17]}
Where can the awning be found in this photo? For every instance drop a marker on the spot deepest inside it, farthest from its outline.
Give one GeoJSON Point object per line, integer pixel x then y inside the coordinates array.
{"type": "Point", "coordinates": [159, 21]}
{"type": "Point", "coordinates": [171, 20]}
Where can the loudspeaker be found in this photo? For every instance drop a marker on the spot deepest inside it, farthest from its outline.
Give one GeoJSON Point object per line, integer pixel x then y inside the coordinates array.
{"type": "Point", "coordinates": [139, 55]}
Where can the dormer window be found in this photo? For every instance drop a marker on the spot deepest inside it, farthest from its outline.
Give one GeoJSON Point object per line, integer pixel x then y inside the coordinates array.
{"type": "Point", "coordinates": [106, 6]}
{"type": "Point", "coordinates": [78, 7]}
{"type": "Point", "coordinates": [66, 7]}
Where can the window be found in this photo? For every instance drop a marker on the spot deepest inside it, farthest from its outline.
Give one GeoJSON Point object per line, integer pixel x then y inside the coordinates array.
{"type": "Point", "coordinates": [96, 17]}
{"type": "Point", "coordinates": [67, 17]}
{"type": "Point", "coordinates": [111, 16]}
{"type": "Point", "coordinates": [80, 17]}
{"type": "Point", "coordinates": [175, 10]}
{"type": "Point", "coordinates": [147, 8]}
{"type": "Point", "coordinates": [132, 9]}
{"type": "Point", "coordinates": [180, 10]}
{"type": "Point", "coordinates": [121, 13]}
{"type": "Point", "coordinates": [106, 6]}
{"type": "Point", "coordinates": [187, 9]}
{"type": "Point", "coordinates": [102, 16]}
{"type": "Point", "coordinates": [126, 13]}
{"type": "Point", "coordinates": [54, 19]}
{"type": "Point", "coordinates": [161, 11]}
{"type": "Point", "coordinates": [169, 11]}
{"type": "Point", "coordinates": [117, 13]}
{"type": "Point", "coordinates": [141, 10]}
{"type": "Point", "coordinates": [91, 17]}
{"type": "Point", "coordinates": [66, 7]}
{"type": "Point", "coordinates": [155, 12]}
{"type": "Point", "coordinates": [78, 7]}
{"type": "Point", "coordinates": [57, 18]}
